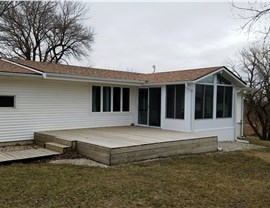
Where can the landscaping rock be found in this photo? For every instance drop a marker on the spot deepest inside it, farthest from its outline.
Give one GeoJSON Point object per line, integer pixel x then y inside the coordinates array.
{"type": "Point", "coordinates": [235, 146]}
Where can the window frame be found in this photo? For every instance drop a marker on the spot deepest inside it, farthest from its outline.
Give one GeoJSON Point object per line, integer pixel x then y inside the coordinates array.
{"type": "Point", "coordinates": [100, 99]}
{"type": "Point", "coordinates": [224, 86]}
{"type": "Point", "coordinates": [114, 100]}
{"type": "Point", "coordinates": [203, 104]}
{"type": "Point", "coordinates": [123, 88]}
{"type": "Point", "coordinates": [175, 101]}
{"type": "Point", "coordinates": [216, 84]}
{"type": "Point", "coordinates": [111, 99]}
{"type": "Point", "coordinates": [221, 78]}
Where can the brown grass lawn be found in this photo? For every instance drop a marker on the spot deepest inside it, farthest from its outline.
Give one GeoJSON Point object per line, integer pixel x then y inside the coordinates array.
{"type": "Point", "coordinates": [235, 179]}
{"type": "Point", "coordinates": [256, 140]}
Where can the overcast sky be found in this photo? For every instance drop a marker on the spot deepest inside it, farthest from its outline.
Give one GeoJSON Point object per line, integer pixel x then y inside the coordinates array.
{"type": "Point", "coordinates": [172, 36]}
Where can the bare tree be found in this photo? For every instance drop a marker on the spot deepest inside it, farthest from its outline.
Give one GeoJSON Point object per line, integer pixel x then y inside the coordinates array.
{"type": "Point", "coordinates": [255, 70]}
{"type": "Point", "coordinates": [256, 15]}
{"type": "Point", "coordinates": [45, 31]}
{"type": "Point", "coordinates": [4, 6]}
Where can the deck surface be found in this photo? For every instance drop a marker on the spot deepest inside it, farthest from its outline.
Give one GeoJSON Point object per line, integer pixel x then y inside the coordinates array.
{"type": "Point", "coordinates": [117, 145]}
{"type": "Point", "coordinates": [124, 136]}
{"type": "Point", "coordinates": [25, 154]}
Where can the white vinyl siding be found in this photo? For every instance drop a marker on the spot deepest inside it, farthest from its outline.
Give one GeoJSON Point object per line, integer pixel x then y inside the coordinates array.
{"type": "Point", "coordinates": [51, 105]}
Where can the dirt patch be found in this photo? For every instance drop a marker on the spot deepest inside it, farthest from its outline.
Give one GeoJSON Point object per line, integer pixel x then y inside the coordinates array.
{"type": "Point", "coordinates": [265, 156]}
{"type": "Point", "coordinates": [71, 154]}
{"type": "Point", "coordinates": [79, 161]}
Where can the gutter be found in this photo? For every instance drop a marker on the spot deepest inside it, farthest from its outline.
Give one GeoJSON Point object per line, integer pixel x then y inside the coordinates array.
{"type": "Point", "coordinates": [75, 77]}
{"type": "Point", "coordinates": [92, 79]}
{"type": "Point", "coordinates": [166, 83]}
{"type": "Point", "coordinates": [247, 89]}
{"type": "Point", "coordinates": [7, 74]}
{"type": "Point", "coordinates": [186, 85]}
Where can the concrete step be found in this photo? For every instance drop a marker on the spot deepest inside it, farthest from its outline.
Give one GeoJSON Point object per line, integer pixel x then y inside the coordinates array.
{"type": "Point", "coordinates": [61, 148]}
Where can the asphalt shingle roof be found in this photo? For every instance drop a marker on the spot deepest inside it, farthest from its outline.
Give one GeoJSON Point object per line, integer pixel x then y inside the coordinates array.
{"type": "Point", "coordinates": [11, 68]}
{"type": "Point", "coordinates": [161, 77]}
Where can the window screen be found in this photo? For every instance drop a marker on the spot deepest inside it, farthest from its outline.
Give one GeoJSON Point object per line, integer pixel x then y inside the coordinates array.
{"type": "Point", "coordinates": [208, 101]}
{"type": "Point", "coordinates": [204, 101]}
{"type": "Point", "coordinates": [116, 98]}
{"type": "Point", "coordinates": [106, 99]}
{"type": "Point", "coordinates": [224, 102]}
{"type": "Point", "coordinates": [179, 101]}
{"type": "Point", "coordinates": [170, 91]}
{"type": "Point", "coordinates": [222, 80]}
{"type": "Point", "coordinates": [126, 98]}
{"type": "Point", "coordinates": [96, 99]}
{"type": "Point", "coordinates": [175, 101]}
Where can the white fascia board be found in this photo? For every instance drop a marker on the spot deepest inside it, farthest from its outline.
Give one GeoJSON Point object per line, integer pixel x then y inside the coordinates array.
{"type": "Point", "coordinates": [167, 83]}
{"type": "Point", "coordinates": [25, 67]}
{"type": "Point", "coordinates": [229, 73]}
{"type": "Point", "coordinates": [10, 74]}
{"type": "Point", "coordinates": [67, 77]}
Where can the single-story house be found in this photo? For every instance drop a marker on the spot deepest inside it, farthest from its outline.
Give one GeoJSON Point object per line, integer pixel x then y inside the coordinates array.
{"type": "Point", "coordinates": [37, 96]}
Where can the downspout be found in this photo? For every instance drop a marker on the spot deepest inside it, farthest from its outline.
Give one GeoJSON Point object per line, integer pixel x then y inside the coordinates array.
{"type": "Point", "coordinates": [235, 114]}
{"type": "Point", "coordinates": [242, 119]}
{"type": "Point", "coordinates": [243, 90]}
{"type": "Point", "coordinates": [242, 115]}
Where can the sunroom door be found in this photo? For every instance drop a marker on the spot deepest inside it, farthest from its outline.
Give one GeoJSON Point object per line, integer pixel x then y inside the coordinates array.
{"type": "Point", "coordinates": [154, 106]}
{"type": "Point", "coordinates": [149, 106]}
{"type": "Point", "coordinates": [143, 106]}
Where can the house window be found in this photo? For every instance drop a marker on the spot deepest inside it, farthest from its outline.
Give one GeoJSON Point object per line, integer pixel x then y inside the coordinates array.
{"type": "Point", "coordinates": [105, 102]}
{"type": "Point", "coordinates": [222, 80]}
{"type": "Point", "coordinates": [175, 101]}
{"type": "Point", "coordinates": [126, 98]}
{"type": "Point", "coordinates": [106, 99]}
{"type": "Point", "coordinates": [96, 98]}
{"type": "Point", "coordinates": [204, 101]}
{"type": "Point", "coordinates": [208, 80]}
{"type": "Point", "coordinates": [224, 102]}
{"type": "Point", "coordinates": [116, 99]}
{"type": "Point", "coordinates": [7, 101]}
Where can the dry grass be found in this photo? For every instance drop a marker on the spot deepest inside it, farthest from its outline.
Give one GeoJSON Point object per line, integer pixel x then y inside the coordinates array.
{"type": "Point", "coordinates": [234, 179]}
{"type": "Point", "coordinates": [257, 141]}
